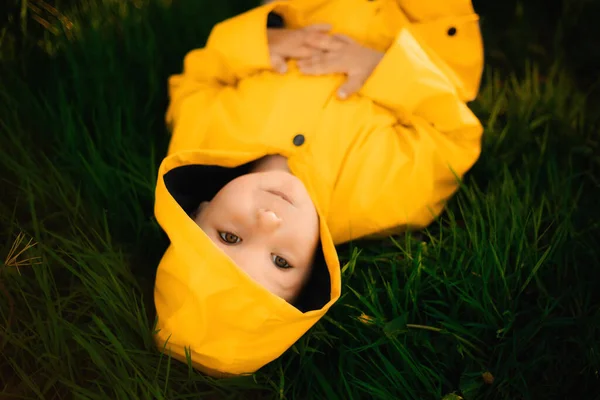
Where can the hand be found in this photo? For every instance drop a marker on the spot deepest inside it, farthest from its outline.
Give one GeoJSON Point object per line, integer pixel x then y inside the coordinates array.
{"type": "Point", "coordinates": [342, 55]}
{"type": "Point", "coordinates": [296, 43]}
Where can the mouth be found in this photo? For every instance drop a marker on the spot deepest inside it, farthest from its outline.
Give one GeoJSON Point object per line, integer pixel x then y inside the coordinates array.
{"type": "Point", "coordinates": [281, 195]}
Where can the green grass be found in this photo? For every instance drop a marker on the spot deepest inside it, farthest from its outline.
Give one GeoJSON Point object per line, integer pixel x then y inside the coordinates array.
{"type": "Point", "coordinates": [504, 285]}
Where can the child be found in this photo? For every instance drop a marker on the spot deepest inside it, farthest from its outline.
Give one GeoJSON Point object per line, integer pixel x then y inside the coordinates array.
{"type": "Point", "coordinates": [287, 142]}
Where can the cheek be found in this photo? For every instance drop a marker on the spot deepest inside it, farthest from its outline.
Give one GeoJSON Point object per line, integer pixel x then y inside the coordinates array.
{"type": "Point", "coordinates": [311, 220]}
{"type": "Point", "coordinates": [293, 284]}
{"type": "Point", "coordinates": [305, 230]}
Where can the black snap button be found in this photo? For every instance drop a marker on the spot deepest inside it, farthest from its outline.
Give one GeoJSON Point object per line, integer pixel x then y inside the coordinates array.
{"type": "Point", "coordinates": [452, 31]}
{"type": "Point", "coordinates": [298, 140]}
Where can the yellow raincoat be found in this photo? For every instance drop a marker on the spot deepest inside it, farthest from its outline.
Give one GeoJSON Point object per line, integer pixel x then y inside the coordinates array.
{"type": "Point", "coordinates": [382, 161]}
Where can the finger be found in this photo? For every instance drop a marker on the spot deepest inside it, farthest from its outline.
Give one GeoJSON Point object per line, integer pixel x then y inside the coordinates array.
{"type": "Point", "coordinates": [324, 42]}
{"type": "Point", "coordinates": [321, 64]}
{"type": "Point", "coordinates": [317, 28]}
{"type": "Point", "coordinates": [351, 86]}
{"type": "Point", "coordinates": [278, 63]}
{"type": "Point", "coordinates": [294, 45]}
{"type": "Point", "coordinates": [343, 38]}
{"type": "Point", "coordinates": [310, 62]}
{"type": "Point", "coordinates": [303, 52]}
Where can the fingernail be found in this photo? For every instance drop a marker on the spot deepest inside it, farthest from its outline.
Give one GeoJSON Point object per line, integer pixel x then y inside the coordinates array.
{"type": "Point", "coordinates": [342, 94]}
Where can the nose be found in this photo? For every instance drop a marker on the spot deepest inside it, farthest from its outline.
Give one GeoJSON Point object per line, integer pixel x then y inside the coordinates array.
{"type": "Point", "coordinates": [267, 219]}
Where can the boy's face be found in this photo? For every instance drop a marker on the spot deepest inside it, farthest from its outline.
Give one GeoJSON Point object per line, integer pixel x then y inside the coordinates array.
{"type": "Point", "coordinates": [267, 223]}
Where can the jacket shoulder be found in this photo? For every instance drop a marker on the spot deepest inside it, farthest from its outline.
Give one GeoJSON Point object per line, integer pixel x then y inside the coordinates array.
{"type": "Point", "coordinates": [423, 11]}
{"type": "Point", "coordinates": [449, 32]}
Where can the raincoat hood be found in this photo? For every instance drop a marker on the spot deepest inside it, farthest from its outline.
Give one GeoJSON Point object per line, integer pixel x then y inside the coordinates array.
{"type": "Point", "coordinates": [209, 308]}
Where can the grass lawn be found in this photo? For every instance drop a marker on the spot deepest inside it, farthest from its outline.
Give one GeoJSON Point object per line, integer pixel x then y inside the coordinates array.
{"type": "Point", "coordinates": [499, 299]}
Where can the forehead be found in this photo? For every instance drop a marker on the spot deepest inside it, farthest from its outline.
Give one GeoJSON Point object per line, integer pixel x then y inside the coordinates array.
{"type": "Point", "coordinates": [192, 184]}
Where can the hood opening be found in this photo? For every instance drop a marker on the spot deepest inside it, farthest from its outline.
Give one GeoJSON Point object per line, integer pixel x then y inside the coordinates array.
{"type": "Point", "coordinates": [317, 291]}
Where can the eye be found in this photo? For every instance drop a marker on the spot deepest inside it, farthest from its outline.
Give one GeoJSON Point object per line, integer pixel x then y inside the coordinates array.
{"type": "Point", "coordinates": [230, 238]}
{"type": "Point", "coordinates": [280, 262]}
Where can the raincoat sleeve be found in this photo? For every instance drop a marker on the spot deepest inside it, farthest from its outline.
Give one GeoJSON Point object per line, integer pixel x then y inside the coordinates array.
{"type": "Point", "coordinates": [235, 49]}
{"type": "Point", "coordinates": [407, 77]}
{"type": "Point", "coordinates": [418, 162]}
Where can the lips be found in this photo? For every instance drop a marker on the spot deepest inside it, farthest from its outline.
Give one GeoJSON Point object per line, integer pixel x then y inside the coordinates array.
{"type": "Point", "coordinates": [282, 195]}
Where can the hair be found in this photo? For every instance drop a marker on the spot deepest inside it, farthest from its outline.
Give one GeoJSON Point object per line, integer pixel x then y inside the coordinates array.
{"type": "Point", "coordinates": [208, 181]}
